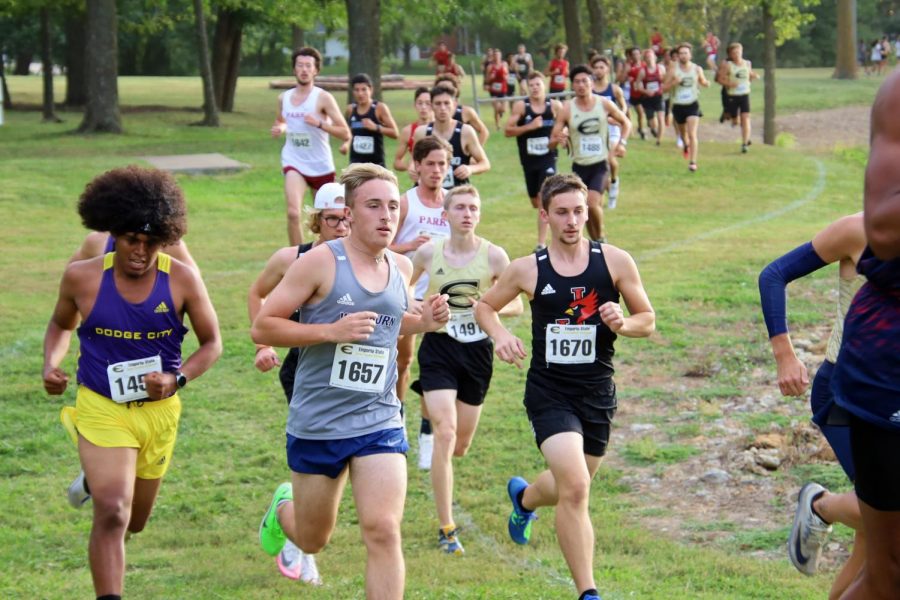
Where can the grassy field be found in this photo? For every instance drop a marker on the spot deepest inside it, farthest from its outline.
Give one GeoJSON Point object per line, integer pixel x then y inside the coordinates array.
{"type": "Point", "coordinates": [699, 240]}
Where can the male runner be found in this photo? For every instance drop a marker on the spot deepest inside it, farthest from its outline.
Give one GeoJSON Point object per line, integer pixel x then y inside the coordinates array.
{"type": "Point", "coordinates": [307, 115]}
{"type": "Point", "coordinates": [370, 120]}
{"type": "Point", "coordinates": [456, 362]}
{"type": "Point", "coordinates": [586, 117]}
{"type": "Point", "coordinates": [468, 154]}
{"type": "Point", "coordinates": [711, 45]}
{"type": "Point", "coordinates": [464, 114]}
{"type": "Point", "coordinates": [531, 122]}
{"type": "Point", "coordinates": [633, 66]}
{"type": "Point", "coordinates": [130, 304]}
{"type": "Point", "coordinates": [498, 85]}
{"type": "Point", "coordinates": [100, 242]}
{"type": "Point", "coordinates": [649, 82]}
{"type": "Point", "coordinates": [421, 219]}
{"type": "Point", "coordinates": [558, 69]}
{"type": "Point", "coordinates": [602, 86]}
{"type": "Point", "coordinates": [842, 241]}
{"type": "Point", "coordinates": [440, 58]}
{"type": "Point", "coordinates": [344, 417]}
{"type": "Point", "coordinates": [424, 116]}
{"type": "Point", "coordinates": [866, 380]}
{"type": "Point", "coordinates": [657, 45]}
{"type": "Point", "coordinates": [523, 64]}
{"type": "Point", "coordinates": [570, 397]}
{"type": "Point", "coordinates": [736, 75]}
{"type": "Point", "coordinates": [685, 80]}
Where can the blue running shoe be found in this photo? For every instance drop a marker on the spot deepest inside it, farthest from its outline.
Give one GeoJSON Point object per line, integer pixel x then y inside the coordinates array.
{"type": "Point", "coordinates": [271, 536]}
{"type": "Point", "coordinates": [520, 519]}
{"type": "Point", "coordinates": [592, 597]}
{"type": "Point", "coordinates": [448, 540]}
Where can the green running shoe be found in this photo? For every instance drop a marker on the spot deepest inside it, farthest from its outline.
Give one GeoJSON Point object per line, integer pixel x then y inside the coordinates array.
{"type": "Point", "coordinates": [271, 536]}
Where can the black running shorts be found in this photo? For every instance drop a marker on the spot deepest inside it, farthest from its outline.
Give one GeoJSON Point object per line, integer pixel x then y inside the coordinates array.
{"type": "Point", "coordinates": [553, 409]}
{"type": "Point", "coordinates": [445, 364]}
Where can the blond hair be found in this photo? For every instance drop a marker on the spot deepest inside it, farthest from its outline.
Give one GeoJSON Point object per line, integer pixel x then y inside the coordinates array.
{"type": "Point", "coordinates": [460, 190]}
{"type": "Point", "coordinates": [357, 174]}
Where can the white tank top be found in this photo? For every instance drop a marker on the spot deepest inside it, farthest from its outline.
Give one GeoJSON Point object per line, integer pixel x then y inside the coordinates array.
{"type": "Point", "coordinates": [306, 148]}
{"type": "Point", "coordinates": [421, 220]}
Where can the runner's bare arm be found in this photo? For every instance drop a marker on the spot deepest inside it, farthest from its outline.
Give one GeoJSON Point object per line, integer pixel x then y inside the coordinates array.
{"type": "Point", "coordinates": [478, 162]}
{"type": "Point", "coordinates": [557, 135]}
{"type": "Point", "coordinates": [389, 125]}
{"type": "Point", "coordinates": [498, 260]}
{"type": "Point", "coordinates": [266, 358]}
{"type": "Point", "coordinates": [470, 117]}
{"type": "Point", "coordinates": [881, 198]}
{"type": "Point", "coordinates": [641, 320]}
{"type": "Point", "coordinates": [668, 81]}
{"type": "Point", "coordinates": [723, 75]}
{"type": "Point", "coordinates": [280, 125]}
{"type": "Point", "coordinates": [400, 162]}
{"type": "Point", "coordinates": [510, 284]}
{"type": "Point", "coordinates": [701, 77]}
{"type": "Point", "coordinates": [621, 118]}
{"type": "Point", "coordinates": [512, 128]}
{"type": "Point", "coordinates": [58, 336]}
{"type": "Point", "coordinates": [334, 124]}
{"type": "Point", "coordinates": [435, 310]}
{"type": "Point", "coordinates": [93, 245]}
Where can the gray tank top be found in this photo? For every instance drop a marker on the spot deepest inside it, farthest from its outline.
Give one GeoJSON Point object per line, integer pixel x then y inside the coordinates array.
{"type": "Point", "coordinates": [346, 390]}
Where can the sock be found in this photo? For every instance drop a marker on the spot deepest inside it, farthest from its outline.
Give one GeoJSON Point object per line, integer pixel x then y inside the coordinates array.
{"type": "Point", "coordinates": [86, 488]}
{"type": "Point", "coordinates": [812, 505]}
{"type": "Point", "coordinates": [425, 428]}
{"type": "Point", "coordinates": [590, 592]}
{"type": "Point", "coordinates": [110, 597]}
{"type": "Point", "coordinates": [519, 498]}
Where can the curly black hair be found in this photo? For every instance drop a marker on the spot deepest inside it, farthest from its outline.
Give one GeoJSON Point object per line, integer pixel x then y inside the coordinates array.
{"type": "Point", "coordinates": [133, 199]}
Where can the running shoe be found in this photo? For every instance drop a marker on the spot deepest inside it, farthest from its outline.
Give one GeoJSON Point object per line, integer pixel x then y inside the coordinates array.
{"type": "Point", "coordinates": [520, 519]}
{"type": "Point", "coordinates": [743, 148]}
{"type": "Point", "coordinates": [592, 597]}
{"type": "Point", "coordinates": [641, 133]}
{"type": "Point", "coordinates": [271, 535]}
{"type": "Point", "coordinates": [685, 152]}
{"type": "Point", "coordinates": [449, 542]}
{"type": "Point", "coordinates": [289, 560]}
{"type": "Point", "coordinates": [613, 194]}
{"type": "Point", "coordinates": [78, 492]}
{"type": "Point", "coordinates": [680, 142]}
{"type": "Point", "coordinates": [808, 532]}
{"type": "Point", "coordinates": [426, 449]}
{"type": "Point", "coordinates": [309, 572]}
{"type": "Point", "coordinates": [692, 167]}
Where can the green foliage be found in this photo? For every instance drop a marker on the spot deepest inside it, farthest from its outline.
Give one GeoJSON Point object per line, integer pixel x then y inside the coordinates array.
{"type": "Point", "coordinates": [647, 451]}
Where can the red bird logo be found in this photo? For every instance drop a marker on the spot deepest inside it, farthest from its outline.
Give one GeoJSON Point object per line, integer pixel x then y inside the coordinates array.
{"type": "Point", "coordinates": [584, 307]}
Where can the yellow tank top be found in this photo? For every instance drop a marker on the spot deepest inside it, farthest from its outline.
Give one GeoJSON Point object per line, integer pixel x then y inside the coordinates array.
{"type": "Point", "coordinates": [464, 286]}
{"type": "Point", "coordinates": [587, 130]}
{"type": "Point", "coordinates": [847, 288]}
{"type": "Point", "coordinates": [741, 75]}
{"type": "Point", "coordinates": [687, 88]}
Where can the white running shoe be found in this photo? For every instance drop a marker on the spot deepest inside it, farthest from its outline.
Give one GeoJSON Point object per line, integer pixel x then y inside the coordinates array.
{"type": "Point", "coordinates": [613, 194]}
{"type": "Point", "coordinates": [426, 448]}
{"type": "Point", "coordinates": [680, 142]}
{"type": "Point", "coordinates": [289, 560]}
{"type": "Point", "coordinates": [309, 572]}
{"type": "Point", "coordinates": [78, 491]}
{"type": "Point", "coordinates": [808, 532]}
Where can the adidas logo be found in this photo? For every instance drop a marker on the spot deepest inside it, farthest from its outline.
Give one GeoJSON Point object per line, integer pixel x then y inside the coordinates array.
{"type": "Point", "coordinates": [346, 300]}
{"type": "Point", "coordinates": [548, 289]}
{"type": "Point", "coordinates": [161, 307]}
{"type": "Point", "coordinates": [161, 461]}
{"type": "Point", "coordinates": [440, 271]}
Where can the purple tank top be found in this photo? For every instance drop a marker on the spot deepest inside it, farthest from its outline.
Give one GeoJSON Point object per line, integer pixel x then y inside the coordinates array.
{"type": "Point", "coordinates": [118, 331]}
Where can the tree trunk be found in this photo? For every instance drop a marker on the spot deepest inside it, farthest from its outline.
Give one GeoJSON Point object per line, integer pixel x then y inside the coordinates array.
{"type": "Point", "coordinates": [597, 25]}
{"type": "Point", "coordinates": [572, 23]}
{"type": "Point", "coordinates": [210, 110]}
{"type": "Point", "coordinates": [298, 37]}
{"type": "Point", "coordinates": [226, 57]}
{"type": "Point", "coordinates": [769, 66]}
{"type": "Point", "coordinates": [47, 67]}
{"type": "Point", "coordinates": [363, 34]}
{"type": "Point", "coordinates": [23, 62]}
{"type": "Point", "coordinates": [76, 88]}
{"type": "Point", "coordinates": [846, 40]}
{"type": "Point", "coordinates": [407, 55]}
{"type": "Point", "coordinates": [7, 101]}
{"type": "Point", "coordinates": [101, 113]}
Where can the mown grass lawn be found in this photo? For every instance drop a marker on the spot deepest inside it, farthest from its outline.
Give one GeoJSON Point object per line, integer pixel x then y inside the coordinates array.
{"type": "Point", "coordinates": [699, 240]}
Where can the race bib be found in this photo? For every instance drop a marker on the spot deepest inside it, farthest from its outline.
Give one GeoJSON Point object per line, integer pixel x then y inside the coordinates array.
{"type": "Point", "coordinates": [652, 86]}
{"type": "Point", "coordinates": [299, 140]}
{"type": "Point", "coordinates": [363, 144]}
{"type": "Point", "coordinates": [684, 95]}
{"type": "Point", "coordinates": [359, 368]}
{"type": "Point", "coordinates": [463, 328]}
{"type": "Point", "coordinates": [434, 234]}
{"type": "Point", "coordinates": [559, 80]}
{"type": "Point", "coordinates": [591, 144]}
{"type": "Point", "coordinates": [126, 379]}
{"type": "Point", "coordinates": [538, 146]}
{"type": "Point", "coordinates": [743, 87]}
{"type": "Point", "coordinates": [449, 180]}
{"type": "Point", "coordinates": [571, 344]}
{"type": "Point", "coordinates": [496, 87]}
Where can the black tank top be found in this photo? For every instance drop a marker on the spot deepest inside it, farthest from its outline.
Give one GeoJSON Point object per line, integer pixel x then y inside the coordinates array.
{"type": "Point", "coordinates": [366, 145]}
{"type": "Point", "coordinates": [536, 154]}
{"type": "Point", "coordinates": [301, 250]}
{"type": "Point", "coordinates": [574, 300]}
{"type": "Point", "coordinates": [459, 157]}
{"type": "Point", "coordinates": [458, 115]}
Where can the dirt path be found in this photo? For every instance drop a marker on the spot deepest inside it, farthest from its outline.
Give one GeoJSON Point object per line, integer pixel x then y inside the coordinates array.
{"type": "Point", "coordinates": [815, 130]}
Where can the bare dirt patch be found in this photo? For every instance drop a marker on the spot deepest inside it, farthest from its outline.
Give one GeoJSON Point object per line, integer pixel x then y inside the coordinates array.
{"type": "Point", "coordinates": [817, 130]}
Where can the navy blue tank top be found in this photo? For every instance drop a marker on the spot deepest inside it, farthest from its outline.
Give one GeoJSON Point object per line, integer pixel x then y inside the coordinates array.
{"type": "Point", "coordinates": [366, 146]}
{"type": "Point", "coordinates": [534, 146]}
{"type": "Point", "coordinates": [459, 156]}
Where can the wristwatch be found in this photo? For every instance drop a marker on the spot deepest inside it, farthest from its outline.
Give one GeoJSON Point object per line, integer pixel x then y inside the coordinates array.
{"type": "Point", "coordinates": [180, 379]}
